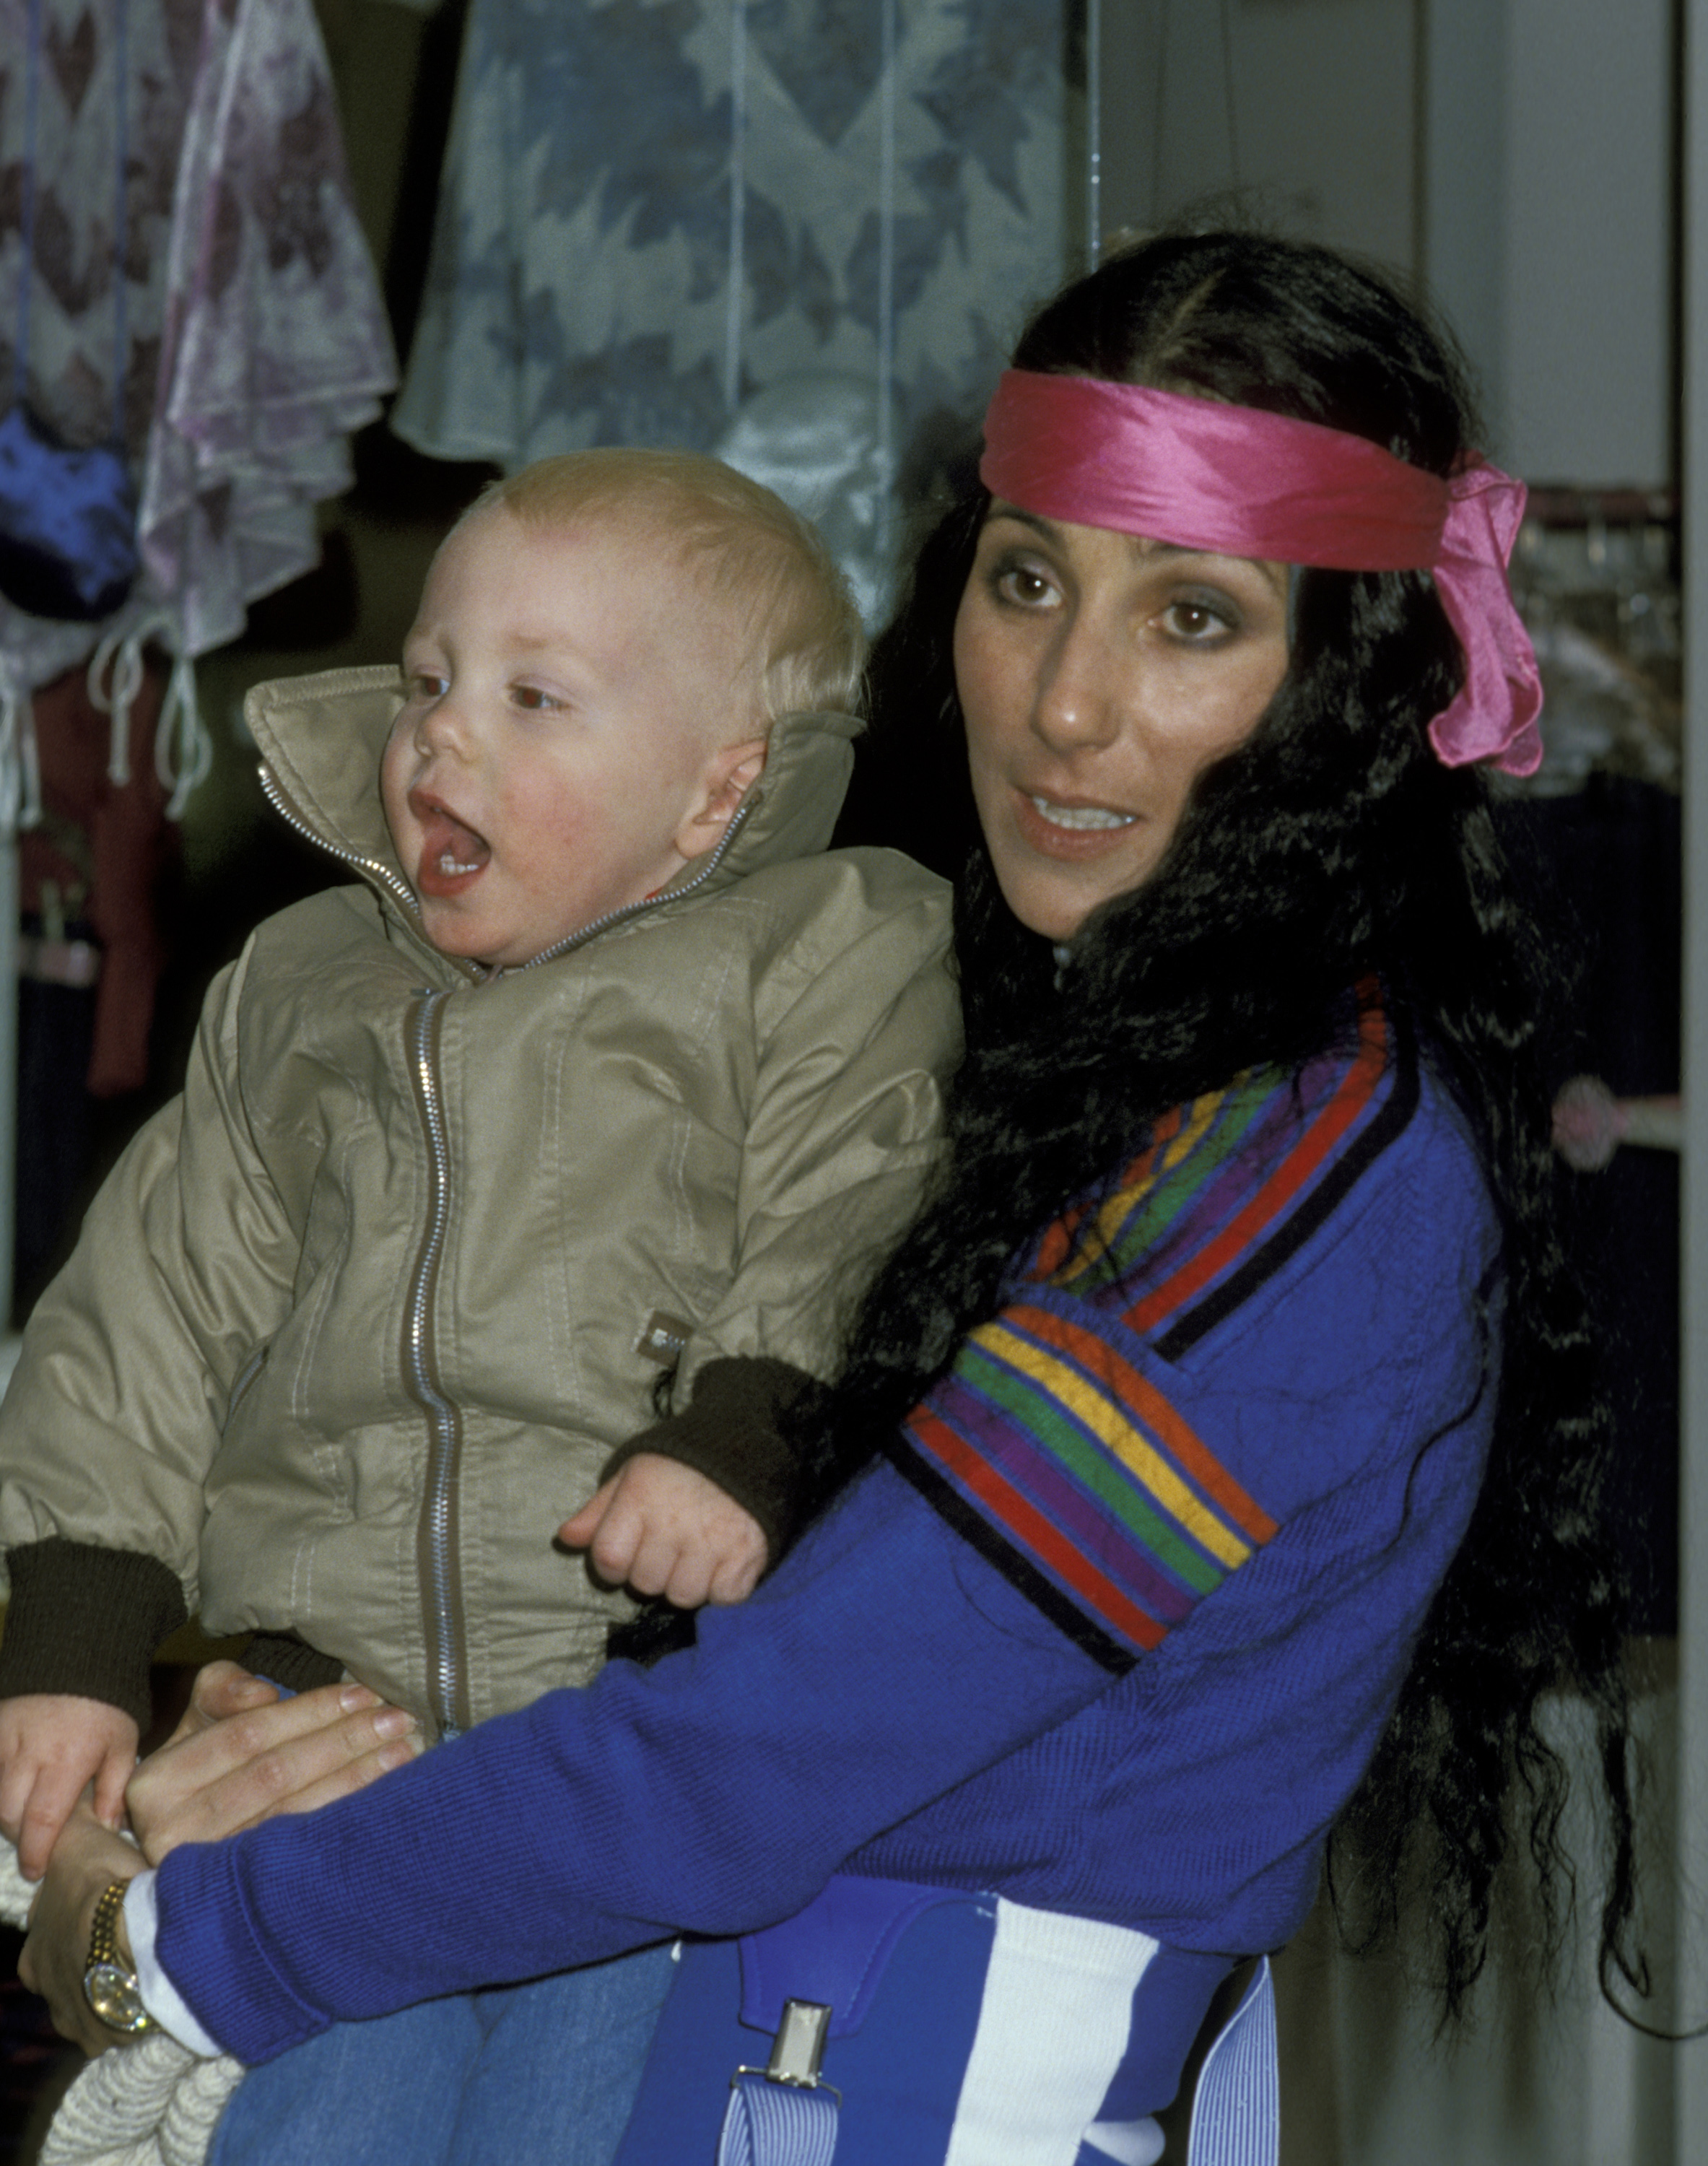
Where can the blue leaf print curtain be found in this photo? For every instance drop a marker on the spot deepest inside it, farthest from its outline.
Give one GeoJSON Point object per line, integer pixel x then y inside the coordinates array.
{"type": "Point", "coordinates": [654, 210]}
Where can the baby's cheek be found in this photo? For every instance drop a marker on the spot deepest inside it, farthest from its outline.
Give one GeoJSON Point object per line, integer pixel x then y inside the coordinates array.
{"type": "Point", "coordinates": [562, 823]}
{"type": "Point", "coordinates": [394, 799]}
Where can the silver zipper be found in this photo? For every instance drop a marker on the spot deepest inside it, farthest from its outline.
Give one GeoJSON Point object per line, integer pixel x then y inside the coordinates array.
{"type": "Point", "coordinates": [744, 813]}
{"type": "Point", "coordinates": [440, 1593]}
{"type": "Point", "coordinates": [381, 874]}
{"type": "Point", "coordinates": [373, 870]}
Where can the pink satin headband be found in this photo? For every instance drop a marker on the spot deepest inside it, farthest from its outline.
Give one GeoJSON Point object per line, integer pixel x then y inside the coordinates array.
{"type": "Point", "coordinates": [1247, 483]}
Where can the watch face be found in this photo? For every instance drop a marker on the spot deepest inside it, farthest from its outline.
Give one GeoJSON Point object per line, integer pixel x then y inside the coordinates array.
{"type": "Point", "coordinates": [111, 1992]}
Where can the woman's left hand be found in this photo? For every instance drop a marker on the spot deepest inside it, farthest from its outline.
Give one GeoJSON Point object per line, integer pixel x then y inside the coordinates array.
{"type": "Point", "coordinates": [88, 1857]}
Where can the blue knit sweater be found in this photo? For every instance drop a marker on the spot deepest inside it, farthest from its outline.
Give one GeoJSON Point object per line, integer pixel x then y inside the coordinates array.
{"type": "Point", "coordinates": [1114, 1629]}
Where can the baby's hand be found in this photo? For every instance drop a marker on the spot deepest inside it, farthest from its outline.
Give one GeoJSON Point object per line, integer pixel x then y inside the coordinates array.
{"type": "Point", "coordinates": [51, 1746]}
{"type": "Point", "coordinates": [661, 1528]}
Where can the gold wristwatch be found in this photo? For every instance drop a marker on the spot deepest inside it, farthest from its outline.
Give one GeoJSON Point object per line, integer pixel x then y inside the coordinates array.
{"type": "Point", "coordinates": [109, 1983]}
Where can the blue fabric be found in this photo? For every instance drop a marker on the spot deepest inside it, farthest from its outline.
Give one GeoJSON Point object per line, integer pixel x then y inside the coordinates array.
{"type": "Point", "coordinates": [67, 524]}
{"type": "Point", "coordinates": [542, 2071]}
{"type": "Point", "coordinates": [899, 2074]}
{"type": "Point", "coordinates": [891, 1704]}
{"type": "Point", "coordinates": [835, 1951]}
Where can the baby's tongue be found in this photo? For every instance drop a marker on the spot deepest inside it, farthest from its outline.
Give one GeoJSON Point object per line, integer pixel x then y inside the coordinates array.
{"type": "Point", "coordinates": [448, 848]}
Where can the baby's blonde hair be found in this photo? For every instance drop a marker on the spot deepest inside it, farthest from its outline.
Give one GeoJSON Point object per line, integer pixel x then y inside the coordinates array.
{"type": "Point", "coordinates": [741, 541]}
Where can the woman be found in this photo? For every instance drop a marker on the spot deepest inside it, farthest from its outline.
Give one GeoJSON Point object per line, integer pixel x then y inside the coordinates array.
{"type": "Point", "coordinates": [1161, 1434]}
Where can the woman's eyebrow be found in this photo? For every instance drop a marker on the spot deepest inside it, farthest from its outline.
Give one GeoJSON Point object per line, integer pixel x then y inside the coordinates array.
{"type": "Point", "coordinates": [1052, 529]}
{"type": "Point", "coordinates": [1274, 573]}
{"type": "Point", "coordinates": [1035, 519]}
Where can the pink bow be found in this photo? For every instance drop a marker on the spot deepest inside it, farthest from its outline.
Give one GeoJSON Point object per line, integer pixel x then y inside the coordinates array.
{"type": "Point", "coordinates": [1493, 716]}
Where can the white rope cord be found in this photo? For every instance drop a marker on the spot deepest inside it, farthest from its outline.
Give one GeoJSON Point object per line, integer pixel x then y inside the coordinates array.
{"type": "Point", "coordinates": [29, 767]}
{"type": "Point", "coordinates": [20, 766]}
{"type": "Point", "coordinates": [14, 705]}
{"type": "Point", "coordinates": [123, 655]}
{"type": "Point", "coordinates": [183, 751]}
{"type": "Point", "coordinates": [152, 2104]}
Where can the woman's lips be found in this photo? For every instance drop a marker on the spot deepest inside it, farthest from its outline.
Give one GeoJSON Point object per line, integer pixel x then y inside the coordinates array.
{"type": "Point", "coordinates": [453, 856]}
{"type": "Point", "coordinates": [1076, 832]}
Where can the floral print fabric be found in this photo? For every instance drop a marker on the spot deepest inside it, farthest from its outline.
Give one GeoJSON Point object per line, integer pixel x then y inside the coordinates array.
{"type": "Point", "coordinates": [255, 339]}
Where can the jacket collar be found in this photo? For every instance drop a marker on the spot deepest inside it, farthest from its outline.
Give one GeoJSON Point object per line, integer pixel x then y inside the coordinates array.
{"type": "Point", "coordinates": [320, 739]}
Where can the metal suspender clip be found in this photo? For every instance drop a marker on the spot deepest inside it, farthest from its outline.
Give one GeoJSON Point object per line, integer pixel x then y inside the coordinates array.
{"type": "Point", "coordinates": [788, 2116]}
{"type": "Point", "coordinates": [798, 2051]}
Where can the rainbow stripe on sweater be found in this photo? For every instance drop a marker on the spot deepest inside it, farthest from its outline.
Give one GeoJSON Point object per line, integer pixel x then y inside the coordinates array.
{"type": "Point", "coordinates": [1050, 1442]}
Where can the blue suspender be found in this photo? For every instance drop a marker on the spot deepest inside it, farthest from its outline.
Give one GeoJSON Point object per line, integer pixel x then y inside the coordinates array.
{"type": "Point", "coordinates": [784, 2115]}
{"type": "Point", "coordinates": [773, 2123]}
{"type": "Point", "coordinates": [1236, 2108]}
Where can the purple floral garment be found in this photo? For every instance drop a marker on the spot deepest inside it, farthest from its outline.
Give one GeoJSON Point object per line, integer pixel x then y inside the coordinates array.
{"type": "Point", "coordinates": [254, 338]}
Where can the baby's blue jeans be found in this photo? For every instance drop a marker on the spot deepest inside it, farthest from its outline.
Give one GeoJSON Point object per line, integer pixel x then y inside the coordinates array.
{"type": "Point", "coordinates": [547, 2070]}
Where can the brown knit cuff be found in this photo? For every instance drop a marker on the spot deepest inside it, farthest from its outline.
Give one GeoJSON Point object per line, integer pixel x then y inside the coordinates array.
{"type": "Point", "coordinates": [288, 1660]}
{"type": "Point", "coordinates": [729, 1434]}
{"type": "Point", "coordinates": [85, 1619]}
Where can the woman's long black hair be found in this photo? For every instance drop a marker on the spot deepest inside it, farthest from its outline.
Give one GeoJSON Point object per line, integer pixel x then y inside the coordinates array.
{"type": "Point", "coordinates": [1331, 844]}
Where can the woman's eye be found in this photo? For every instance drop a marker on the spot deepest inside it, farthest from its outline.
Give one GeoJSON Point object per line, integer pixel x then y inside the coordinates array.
{"type": "Point", "coordinates": [1024, 585]}
{"type": "Point", "coordinates": [1198, 622]}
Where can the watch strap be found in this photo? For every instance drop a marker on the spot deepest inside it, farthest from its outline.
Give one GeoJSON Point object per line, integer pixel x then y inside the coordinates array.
{"type": "Point", "coordinates": [109, 1980]}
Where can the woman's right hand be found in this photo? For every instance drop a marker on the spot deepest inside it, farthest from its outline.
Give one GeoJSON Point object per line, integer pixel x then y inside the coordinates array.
{"type": "Point", "coordinates": [242, 1753]}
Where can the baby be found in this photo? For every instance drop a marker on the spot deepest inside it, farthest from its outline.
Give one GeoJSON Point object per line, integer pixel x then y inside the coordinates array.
{"type": "Point", "coordinates": [521, 1180]}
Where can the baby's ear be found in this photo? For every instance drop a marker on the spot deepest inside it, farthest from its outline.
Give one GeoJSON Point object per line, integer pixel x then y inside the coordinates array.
{"type": "Point", "coordinates": [730, 775]}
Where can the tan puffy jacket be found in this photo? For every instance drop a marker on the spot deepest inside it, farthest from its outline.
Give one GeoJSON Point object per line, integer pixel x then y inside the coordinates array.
{"type": "Point", "coordinates": [358, 1321]}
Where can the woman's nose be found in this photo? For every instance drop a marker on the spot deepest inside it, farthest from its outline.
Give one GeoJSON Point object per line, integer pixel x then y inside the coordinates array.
{"type": "Point", "coordinates": [1077, 699]}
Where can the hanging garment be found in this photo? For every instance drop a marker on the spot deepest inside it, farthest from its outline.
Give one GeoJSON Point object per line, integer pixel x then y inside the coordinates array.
{"type": "Point", "coordinates": [88, 87]}
{"type": "Point", "coordinates": [67, 513]}
{"type": "Point", "coordinates": [255, 337]}
{"type": "Point", "coordinates": [275, 343]}
{"type": "Point", "coordinates": [654, 209]}
{"type": "Point", "coordinates": [815, 440]}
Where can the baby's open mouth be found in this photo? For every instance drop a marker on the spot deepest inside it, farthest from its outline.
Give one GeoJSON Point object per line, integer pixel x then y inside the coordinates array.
{"type": "Point", "coordinates": [451, 852]}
